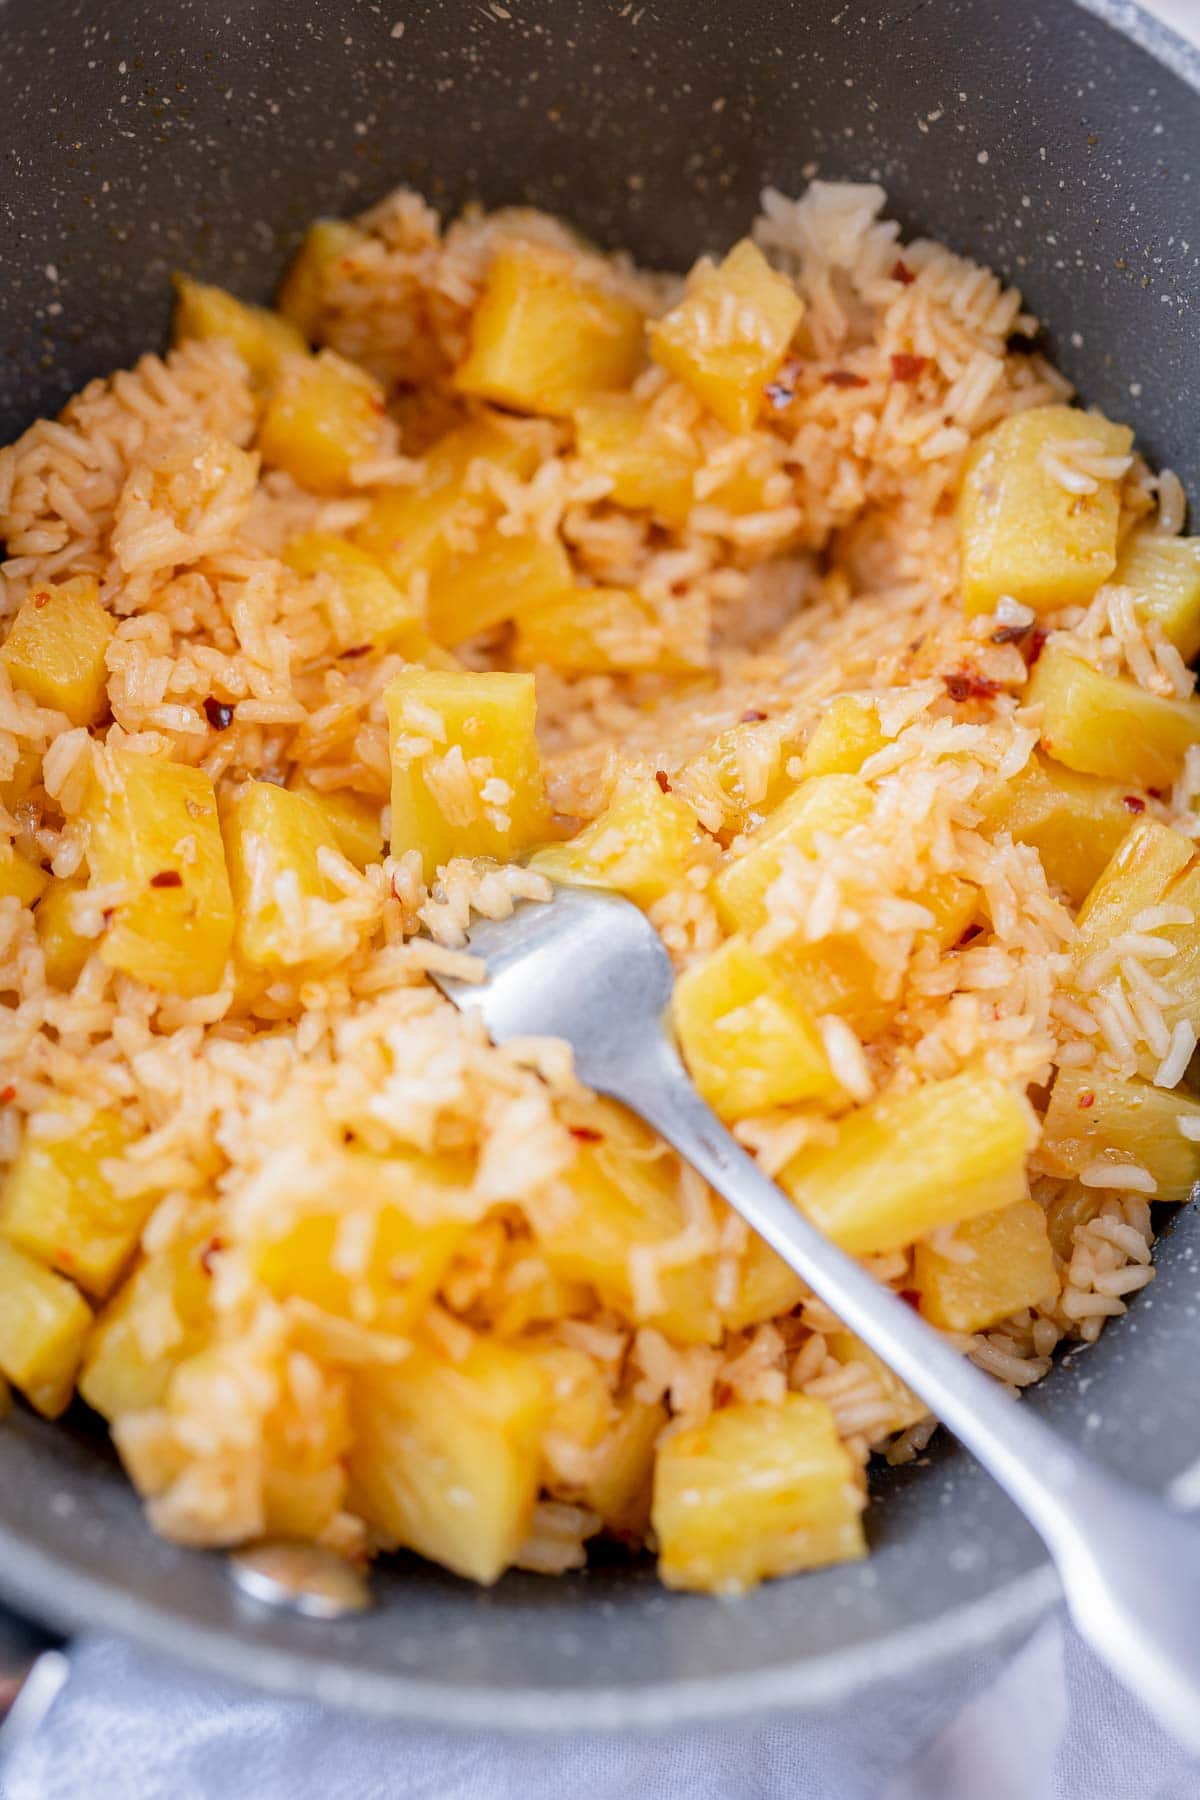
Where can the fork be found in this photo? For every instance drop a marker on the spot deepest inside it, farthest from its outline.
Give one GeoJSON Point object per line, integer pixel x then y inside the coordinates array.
{"type": "Point", "coordinates": [589, 967]}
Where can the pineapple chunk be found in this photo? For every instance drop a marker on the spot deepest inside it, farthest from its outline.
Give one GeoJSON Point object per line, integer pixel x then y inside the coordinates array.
{"type": "Point", "coordinates": [273, 844]}
{"type": "Point", "coordinates": [466, 773]}
{"type": "Point", "coordinates": [26, 774]}
{"type": "Point", "coordinates": [1164, 573]}
{"type": "Point", "coordinates": [626, 1208]}
{"type": "Point", "coordinates": [766, 1287]}
{"type": "Point", "coordinates": [413, 530]}
{"type": "Point", "coordinates": [20, 879]}
{"type": "Point", "coordinates": [305, 1443]}
{"type": "Point", "coordinates": [323, 416]}
{"type": "Point", "coordinates": [57, 1203]}
{"type": "Point", "coordinates": [64, 951]}
{"type": "Point", "coordinates": [156, 1319]}
{"type": "Point", "coordinates": [261, 338]}
{"type": "Point", "coordinates": [748, 1043]}
{"type": "Point", "coordinates": [907, 1163]}
{"type": "Point", "coordinates": [154, 839]}
{"type": "Point", "coordinates": [1076, 1205]}
{"type": "Point", "coordinates": [579, 1406]}
{"type": "Point", "coordinates": [1022, 532]}
{"type": "Point", "coordinates": [641, 845]}
{"type": "Point", "coordinates": [56, 647]}
{"type": "Point", "coordinates": [653, 469]}
{"type": "Point", "coordinates": [758, 1491]}
{"type": "Point", "coordinates": [1107, 725]}
{"type": "Point", "coordinates": [831, 804]}
{"type": "Point", "coordinates": [43, 1322]}
{"type": "Point", "coordinates": [1147, 866]}
{"type": "Point", "coordinates": [544, 337]}
{"type": "Point", "coordinates": [403, 1261]}
{"type": "Point", "coordinates": [354, 820]}
{"type": "Point", "coordinates": [847, 733]}
{"type": "Point", "coordinates": [500, 579]}
{"type": "Point", "coordinates": [1074, 822]}
{"type": "Point", "coordinates": [1096, 1117]}
{"type": "Point", "coordinates": [904, 1407]}
{"type": "Point", "coordinates": [445, 1456]}
{"type": "Point", "coordinates": [738, 777]}
{"type": "Point", "coordinates": [621, 1470]}
{"type": "Point", "coordinates": [592, 630]}
{"type": "Point", "coordinates": [728, 337]}
{"type": "Point", "coordinates": [302, 292]}
{"type": "Point", "coordinates": [375, 611]}
{"type": "Point", "coordinates": [999, 1262]}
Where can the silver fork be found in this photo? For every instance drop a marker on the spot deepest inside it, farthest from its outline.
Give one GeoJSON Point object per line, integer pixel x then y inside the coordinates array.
{"type": "Point", "coordinates": [587, 966]}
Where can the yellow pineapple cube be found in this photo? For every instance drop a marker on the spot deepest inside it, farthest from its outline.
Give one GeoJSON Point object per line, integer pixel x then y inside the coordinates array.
{"type": "Point", "coordinates": [1024, 530]}
{"type": "Point", "coordinates": [904, 1407]}
{"type": "Point", "coordinates": [1107, 725]}
{"type": "Point", "coordinates": [306, 1440]}
{"type": "Point", "coordinates": [544, 336]}
{"type": "Point", "coordinates": [1164, 573]}
{"type": "Point", "coordinates": [592, 630]}
{"type": "Point", "coordinates": [301, 298]}
{"type": "Point", "coordinates": [324, 415]}
{"type": "Point", "coordinates": [579, 1406]}
{"type": "Point", "coordinates": [261, 337]}
{"type": "Point", "coordinates": [43, 1322]}
{"type": "Point", "coordinates": [621, 1470]}
{"type": "Point", "coordinates": [355, 821]}
{"type": "Point", "coordinates": [727, 338]}
{"type": "Point", "coordinates": [746, 1040]}
{"type": "Point", "coordinates": [413, 531]}
{"type": "Point", "coordinates": [404, 1254]}
{"type": "Point", "coordinates": [56, 646]}
{"type": "Point", "coordinates": [1149, 863]}
{"type": "Point", "coordinates": [909, 1162]}
{"type": "Point", "coordinates": [57, 1202]}
{"type": "Point", "coordinates": [847, 733]}
{"type": "Point", "coordinates": [641, 845]}
{"type": "Point", "coordinates": [153, 839]}
{"type": "Point", "coordinates": [826, 805]}
{"type": "Point", "coordinates": [1072, 1206]}
{"type": "Point", "coordinates": [445, 1456]}
{"type": "Point", "coordinates": [500, 579]}
{"type": "Point", "coordinates": [274, 839]}
{"type": "Point", "coordinates": [20, 879]}
{"type": "Point", "coordinates": [466, 772]}
{"type": "Point", "coordinates": [758, 1491]}
{"type": "Point", "coordinates": [997, 1264]}
{"type": "Point", "coordinates": [766, 1287]}
{"type": "Point", "coordinates": [1094, 1117]}
{"type": "Point", "coordinates": [625, 1200]}
{"type": "Point", "coordinates": [738, 778]}
{"type": "Point", "coordinates": [64, 951]}
{"type": "Point", "coordinates": [156, 1318]}
{"type": "Point", "coordinates": [615, 436]}
{"type": "Point", "coordinates": [1073, 821]}
{"type": "Point", "coordinates": [368, 607]}
{"type": "Point", "coordinates": [25, 776]}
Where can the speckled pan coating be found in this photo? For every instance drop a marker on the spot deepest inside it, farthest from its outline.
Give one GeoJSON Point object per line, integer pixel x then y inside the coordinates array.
{"type": "Point", "coordinates": [1061, 144]}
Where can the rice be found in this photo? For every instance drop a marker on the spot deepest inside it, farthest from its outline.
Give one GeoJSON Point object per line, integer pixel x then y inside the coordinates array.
{"type": "Point", "coordinates": [817, 559]}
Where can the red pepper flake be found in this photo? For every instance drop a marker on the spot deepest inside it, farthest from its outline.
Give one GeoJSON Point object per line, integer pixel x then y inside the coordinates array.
{"type": "Point", "coordinates": [7, 1094]}
{"type": "Point", "coordinates": [1086, 1099]}
{"type": "Point", "coordinates": [587, 1134]}
{"type": "Point", "coordinates": [843, 378]}
{"type": "Point", "coordinates": [1011, 634]}
{"type": "Point", "coordinates": [1155, 793]}
{"type": "Point", "coordinates": [901, 272]}
{"type": "Point", "coordinates": [908, 368]}
{"type": "Point", "coordinates": [968, 684]}
{"type": "Point", "coordinates": [357, 650]}
{"type": "Point", "coordinates": [107, 914]}
{"type": "Point", "coordinates": [40, 600]}
{"type": "Point", "coordinates": [663, 780]}
{"type": "Point", "coordinates": [1133, 803]}
{"type": "Point", "coordinates": [213, 1248]}
{"type": "Point", "coordinates": [911, 1298]}
{"type": "Point", "coordinates": [167, 878]}
{"type": "Point", "coordinates": [969, 936]}
{"type": "Point", "coordinates": [752, 716]}
{"type": "Point", "coordinates": [1037, 644]}
{"type": "Point", "coordinates": [218, 713]}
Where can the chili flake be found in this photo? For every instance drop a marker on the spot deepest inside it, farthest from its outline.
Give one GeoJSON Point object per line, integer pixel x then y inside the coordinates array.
{"type": "Point", "coordinates": [357, 650]}
{"type": "Point", "coordinates": [752, 716]}
{"type": "Point", "coordinates": [167, 878]}
{"type": "Point", "coordinates": [1087, 1099]}
{"type": "Point", "coordinates": [218, 713]}
{"type": "Point", "coordinates": [908, 368]}
{"type": "Point", "coordinates": [587, 1134]}
{"type": "Point", "coordinates": [901, 272]}
{"type": "Point", "coordinates": [968, 684]}
{"type": "Point", "coordinates": [1133, 803]}
{"type": "Point", "coordinates": [663, 780]}
{"type": "Point", "coordinates": [844, 378]}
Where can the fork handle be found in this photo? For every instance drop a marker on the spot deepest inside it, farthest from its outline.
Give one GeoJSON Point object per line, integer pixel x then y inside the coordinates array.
{"type": "Point", "coordinates": [1129, 1565]}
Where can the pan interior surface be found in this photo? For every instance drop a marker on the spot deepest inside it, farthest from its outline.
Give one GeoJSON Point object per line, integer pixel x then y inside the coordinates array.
{"type": "Point", "coordinates": [1044, 142]}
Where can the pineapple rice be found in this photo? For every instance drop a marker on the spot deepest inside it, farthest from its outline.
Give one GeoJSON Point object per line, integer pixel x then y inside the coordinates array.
{"type": "Point", "coordinates": [333, 1266]}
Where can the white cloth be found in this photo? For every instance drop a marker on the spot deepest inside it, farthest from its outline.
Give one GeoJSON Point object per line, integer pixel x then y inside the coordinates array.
{"type": "Point", "coordinates": [1048, 1725]}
